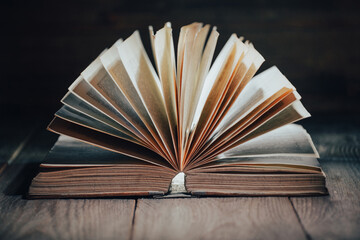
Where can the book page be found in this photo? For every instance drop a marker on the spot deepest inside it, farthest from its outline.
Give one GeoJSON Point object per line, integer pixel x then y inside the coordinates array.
{"type": "Point", "coordinates": [283, 98]}
{"type": "Point", "coordinates": [203, 71]}
{"type": "Point", "coordinates": [119, 77]}
{"type": "Point", "coordinates": [262, 164]}
{"type": "Point", "coordinates": [85, 91]}
{"type": "Point", "coordinates": [283, 95]}
{"type": "Point", "coordinates": [131, 69]}
{"type": "Point", "coordinates": [147, 83]}
{"type": "Point", "coordinates": [164, 55]}
{"type": "Point", "coordinates": [288, 140]}
{"type": "Point", "coordinates": [295, 112]}
{"type": "Point", "coordinates": [76, 169]}
{"type": "Point", "coordinates": [98, 77]}
{"type": "Point", "coordinates": [248, 63]}
{"type": "Point", "coordinates": [89, 94]}
{"type": "Point", "coordinates": [216, 84]}
{"type": "Point", "coordinates": [193, 48]}
{"type": "Point", "coordinates": [216, 70]}
{"type": "Point", "coordinates": [248, 67]}
{"type": "Point", "coordinates": [260, 88]}
{"type": "Point", "coordinates": [194, 36]}
{"type": "Point", "coordinates": [106, 141]}
{"type": "Point", "coordinates": [279, 115]}
{"type": "Point", "coordinates": [73, 101]}
{"type": "Point", "coordinates": [204, 68]}
{"type": "Point", "coordinates": [77, 117]}
{"type": "Point", "coordinates": [68, 152]}
{"type": "Point", "coordinates": [262, 93]}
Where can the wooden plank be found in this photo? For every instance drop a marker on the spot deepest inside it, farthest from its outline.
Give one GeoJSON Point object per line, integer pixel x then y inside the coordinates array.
{"type": "Point", "coordinates": [18, 175]}
{"type": "Point", "coordinates": [57, 219]}
{"type": "Point", "coordinates": [66, 219]}
{"type": "Point", "coordinates": [216, 218]}
{"type": "Point", "coordinates": [343, 180]}
{"type": "Point", "coordinates": [337, 142]}
{"type": "Point", "coordinates": [338, 215]}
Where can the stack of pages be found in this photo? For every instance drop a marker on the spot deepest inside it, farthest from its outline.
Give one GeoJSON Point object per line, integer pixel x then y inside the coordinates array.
{"type": "Point", "coordinates": [226, 131]}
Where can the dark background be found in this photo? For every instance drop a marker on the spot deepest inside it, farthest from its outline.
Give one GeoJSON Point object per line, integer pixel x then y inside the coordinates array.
{"type": "Point", "coordinates": [46, 44]}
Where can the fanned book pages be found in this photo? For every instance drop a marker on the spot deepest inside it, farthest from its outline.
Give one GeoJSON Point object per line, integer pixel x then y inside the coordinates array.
{"type": "Point", "coordinates": [186, 124]}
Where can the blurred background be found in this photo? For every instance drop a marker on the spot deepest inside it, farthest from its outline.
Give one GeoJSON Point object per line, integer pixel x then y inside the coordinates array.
{"type": "Point", "coordinates": [46, 44]}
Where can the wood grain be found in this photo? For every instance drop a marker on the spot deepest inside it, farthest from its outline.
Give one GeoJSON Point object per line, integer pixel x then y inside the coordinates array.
{"type": "Point", "coordinates": [17, 176]}
{"type": "Point", "coordinates": [336, 216]}
{"type": "Point", "coordinates": [66, 219]}
{"type": "Point", "coordinates": [337, 138]}
{"type": "Point", "coordinates": [55, 219]}
{"type": "Point", "coordinates": [216, 218]}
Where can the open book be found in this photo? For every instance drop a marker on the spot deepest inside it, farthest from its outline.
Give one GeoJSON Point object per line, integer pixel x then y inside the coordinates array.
{"type": "Point", "coordinates": [215, 126]}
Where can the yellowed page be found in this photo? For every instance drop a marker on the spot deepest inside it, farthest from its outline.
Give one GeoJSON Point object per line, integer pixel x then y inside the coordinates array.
{"type": "Point", "coordinates": [288, 140]}
{"type": "Point", "coordinates": [164, 55]}
{"type": "Point", "coordinates": [192, 61]}
{"type": "Point", "coordinates": [295, 112]}
{"type": "Point", "coordinates": [219, 79]}
{"type": "Point", "coordinates": [146, 82]}
{"type": "Point", "coordinates": [188, 60]}
{"type": "Point", "coordinates": [248, 63]}
{"type": "Point", "coordinates": [99, 78]}
{"type": "Point", "coordinates": [260, 88]}
{"type": "Point", "coordinates": [262, 163]}
{"type": "Point", "coordinates": [203, 71]}
{"type": "Point", "coordinates": [79, 118]}
{"type": "Point", "coordinates": [213, 75]}
{"type": "Point", "coordinates": [248, 66]}
{"type": "Point", "coordinates": [245, 124]}
{"type": "Point", "coordinates": [85, 91]}
{"type": "Point", "coordinates": [105, 141]}
{"type": "Point", "coordinates": [73, 101]}
{"type": "Point", "coordinates": [116, 70]}
{"type": "Point", "coordinates": [269, 121]}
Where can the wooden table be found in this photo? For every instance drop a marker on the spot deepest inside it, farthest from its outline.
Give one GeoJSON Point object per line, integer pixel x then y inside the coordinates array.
{"type": "Point", "coordinates": [337, 216]}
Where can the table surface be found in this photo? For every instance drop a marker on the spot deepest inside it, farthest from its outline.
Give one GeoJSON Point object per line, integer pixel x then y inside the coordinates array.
{"type": "Point", "coordinates": [24, 144]}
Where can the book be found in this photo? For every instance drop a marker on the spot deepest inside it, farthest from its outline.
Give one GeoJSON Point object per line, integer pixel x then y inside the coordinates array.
{"type": "Point", "coordinates": [183, 125]}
